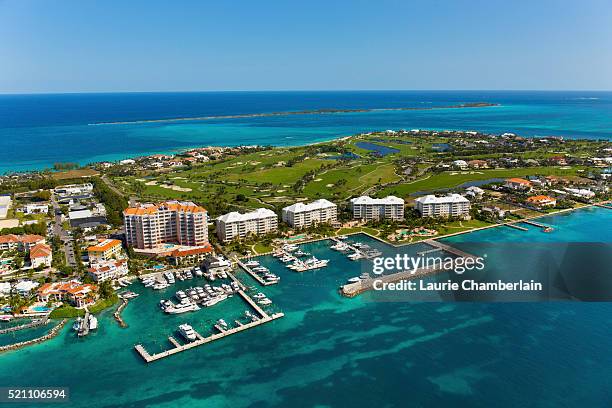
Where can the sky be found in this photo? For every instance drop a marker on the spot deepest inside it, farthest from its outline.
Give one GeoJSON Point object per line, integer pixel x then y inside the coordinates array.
{"type": "Point", "coordinates": [122, 46]}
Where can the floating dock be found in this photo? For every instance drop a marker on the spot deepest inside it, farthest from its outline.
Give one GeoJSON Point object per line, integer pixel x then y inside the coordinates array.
{"type": "Point", "coordinates": [255, 276]}
{"type": "Point", "coordinates": [354, 289]}
{"type": "Point", "coordinates": [264, 318]}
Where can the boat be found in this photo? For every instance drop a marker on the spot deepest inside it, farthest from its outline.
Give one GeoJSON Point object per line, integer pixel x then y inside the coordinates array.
{"type": "Point", "coordinates": [343, 237]}
{"type": "Point", "coordinates": [264, 302]}
{"type": "Point", "coordinates": [93, 322]}
{"type": "Point", "coordinates": [222, 323]}
{"type": "Point", "coordinates": [215, 300]}
{"type": "Point", "coordinates": [148, 283]}
{"type": "Point", "coordinates": [290, 247]}
{"type": "Point", "coordinates": [299, 252]}
{"type": "Point", "coordinates": [188, 275]}
{"type": "Point", "coordinates": [187, 332]}
{"type": "Point", "coordinates": [547, 229]}
{"type": "Point", "coordinates": [259, 296]}
{"type": "Point", "coordinates": [180, 295]}
{"type": "Point", "coordinates": [77, 324]}
{"type": "Point", "coordinates": [169, 277]}
{"type": "Point", "coordinates": [355, 256]}
{"type": "Point", "coordinates": [286, 259]}
{"type": "Point", "coordinates": [182, 308]}
{"type": "Point", "coordinates": [6, 318]}
{"type": "Point", "coordinates": [129, 295]}
{"type": "Point", "coordinates": [198, 272]}
{"type": "Point", "coordinates": [161, 285]}
{"type": "Point", "coordinates": [354, 280]}
{"type": "Point", "coordinates": [314, 263]}
{"type": "Point", "coordinates": [260, 269]}
{"type": "Point", "coordinates": [339, 246]}
{"type": "Point", "coordinates": [252, 263]}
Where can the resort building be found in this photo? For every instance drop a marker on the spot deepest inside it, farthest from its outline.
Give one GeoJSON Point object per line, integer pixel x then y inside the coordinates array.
{"type": "Point", "coordinates": [108, 270]}
{"type": "Point", "coordinates": [452, 205]}
{"type": "Point", "coordinates": [104, 250]}
{"type": "Point", "coordinates": [518, 184]}
{"type": "Point", "coordinates": [41, 255]}
{"type": "Point", "coordinates": [580, 192]}
{"type": "Point", "coordinates": [542, 201]}
{"type": "Point", "coordinates": [367, 208]}
{"type": "Point", "coordinates": [189, 256]}
{"type": "Point", "coordinates": [236, 225]}
{"type": "Point", "coordinates": [74, 292]}
{"type": "Point", "coordinates": [22, 243]}
{"type": "Point", "coordinates": [148, 226]}
{"type": "Point", "coordinates": [301, 215]}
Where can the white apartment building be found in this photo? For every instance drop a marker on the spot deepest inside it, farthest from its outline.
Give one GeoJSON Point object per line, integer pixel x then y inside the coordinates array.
{"type": "Point", "coordinates": [108, 270]}
{"type": "Point", "coordinates": [301, 215]}
{"type": "Point", "coordinates": [367, 208]}
{"type": "Point", "coordinates": [234, 224]}
{"type": "Point", "coordinates": [452, 205]}
{"type": "Point", "coordinates": [148, 226]}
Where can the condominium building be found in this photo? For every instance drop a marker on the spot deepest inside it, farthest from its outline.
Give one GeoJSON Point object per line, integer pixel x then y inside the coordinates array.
{"type": "Point", "coordinates": [452, 205]}
{"type": "Point", "coordinates": [234, 224]}
{"type": "Point", "coordinates": [301, 215]}
{"type": "Point", "coordinates": [108, 270]}
{"type": "Point", "coordinates": [22, 243]}
{"type": "Point", "coordinates": [148, 226]}
{"type": "Point", "coordinates": [367, 208]}
{"type": "Point", "coordinates": [104, 250]}
{"type": "Point", "coordinates": [41, 255]}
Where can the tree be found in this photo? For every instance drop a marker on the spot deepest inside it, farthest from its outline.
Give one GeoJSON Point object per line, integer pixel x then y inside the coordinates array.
{"type": "Point", "coordinates": [106, 290]}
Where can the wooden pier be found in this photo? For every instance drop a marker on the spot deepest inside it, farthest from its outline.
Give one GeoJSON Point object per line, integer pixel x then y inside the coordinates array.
{"type": "Point", "coordinates": [354, 289]}
{"type": "Point", "coordinates": [518, 227]}
{"type": "Point", "coordinates": [264, 318]}
{"type": "Point", "coordinates": [255, 276]}
{"type": "Point", "coordinates": [536, 224]}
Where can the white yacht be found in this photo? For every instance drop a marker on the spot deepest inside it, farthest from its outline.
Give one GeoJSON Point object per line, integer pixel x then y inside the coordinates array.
{"type": "Point", "coordinates": [355, 256]}
{"type": "Point", "coordinates": [187, 332]}
{"type": "Point", "coordinates": [215, 300]}
{"type": "Point", "coordinates": [93, 322]}
{"type": "Point", "coordinates": [264, 301]}
{"type": "Point", "coordinates": [161, 285]}
{"type": "Point", "coordinates": [290, 247]}
{"type": "Point", "coordinates": [252, 263]}
{"type": "Point", "coordinates": [182, 308]}
{"type": "Point", "coordinates": [222, 324]}
{"type": "Point", "coordinates": [169, 277]}
{"type": "Point", "coordinates": [354, 280]}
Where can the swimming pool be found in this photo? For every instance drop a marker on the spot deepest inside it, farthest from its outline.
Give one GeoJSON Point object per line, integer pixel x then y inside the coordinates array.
{"type": "Point", "coordinates": [41, 309]}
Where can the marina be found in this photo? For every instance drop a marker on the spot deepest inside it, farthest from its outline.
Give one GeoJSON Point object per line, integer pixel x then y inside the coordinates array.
{"type": "Point", "coordinates": [200, 340]}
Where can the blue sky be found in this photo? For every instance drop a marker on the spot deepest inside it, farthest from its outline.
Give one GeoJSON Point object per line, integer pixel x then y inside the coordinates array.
{"type": "Point", "coordinates": [82, 46]}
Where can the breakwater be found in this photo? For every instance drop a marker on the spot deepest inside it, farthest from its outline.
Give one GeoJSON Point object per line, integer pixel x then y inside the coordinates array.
{"type": "Point", "coordinates": [52, 333]}
{"type": "Point", "coordinates": [30, 325]}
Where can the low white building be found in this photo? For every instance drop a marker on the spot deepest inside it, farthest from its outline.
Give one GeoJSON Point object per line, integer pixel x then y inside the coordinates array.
{"type": "Point", "coordinates": [235, 225]}
{"type": "Point", "coordinates": [474, 191]}
{"type": "Point", "coordinates": [36, 208]}
{"type": "Point", "coordinates": [452, 205]}
{"type": "Point", "coordinates": [581, 192]}
{"type": "Point", "coordinates": [301, 215]}
{"type": "Point", "coordinates": [74, 189]}
{"type": "Point", "coordinates": [369, 209]}
{"type": "Point", "coordinates": [108, 270]}
{"type": "Point", "coordinates": [460, 164]}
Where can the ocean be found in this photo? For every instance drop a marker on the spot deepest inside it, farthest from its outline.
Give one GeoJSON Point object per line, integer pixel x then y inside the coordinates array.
{"type": "Point", "coordinates": [329, 351]}
{"type": "Point", "coordinates": [39, 130]}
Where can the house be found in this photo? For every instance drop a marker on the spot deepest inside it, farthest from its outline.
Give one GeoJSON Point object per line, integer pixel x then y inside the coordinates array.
{"type": "Point", "coordinates": [108, 270]}
{"type": "Point", "coordinates": [24, 287]}
{"type": "Point", "coordinates": [474, 192]}
{"type": "Point", "coordinates": [558, 160]}
{"type": "Point", "coordinates": [478, 164]}
{"type": "Point", "coordinates": [22, 243]}
{"type": "Point", "coordinates": [74, 292]}
{"type": "Point", "coordinates": [104, 250]}
{"type": "Point", "coordinates": [460, 164]}
{"type": "Point", "coordinates": [518, 184]}
{"type": "Point", "coordinates": [542, 201]}
{"type": "Point", "coordinates": [41, 255]}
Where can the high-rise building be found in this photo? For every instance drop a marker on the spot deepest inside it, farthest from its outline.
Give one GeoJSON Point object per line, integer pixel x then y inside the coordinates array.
{"type": "Point", "coordinates": [452, 205]}
{"type": "Point", "coordinates": [369, 209]}
{"type": "Point", "coordinates": [301, 215]}
{"type": "Point", "coordinates": [234, 224]}
{"type": "Point", "coordinates": [147, 226]}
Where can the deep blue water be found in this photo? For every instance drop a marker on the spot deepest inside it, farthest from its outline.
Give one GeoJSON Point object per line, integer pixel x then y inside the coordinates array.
{"type": "Point", "coordinates": [38, 130]}
{"type": "Point", "coordinates": [378, 149]}
{"type": "Point", "coordinates": [338, 352]}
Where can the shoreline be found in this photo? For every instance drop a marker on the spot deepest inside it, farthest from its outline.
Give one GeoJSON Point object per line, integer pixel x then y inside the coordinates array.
{"type": "Point", "coordinates": [302, 112]}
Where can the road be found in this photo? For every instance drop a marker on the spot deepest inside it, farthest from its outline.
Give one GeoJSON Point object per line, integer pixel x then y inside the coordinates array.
{"type": "Point", "coordinates": [59, 231]}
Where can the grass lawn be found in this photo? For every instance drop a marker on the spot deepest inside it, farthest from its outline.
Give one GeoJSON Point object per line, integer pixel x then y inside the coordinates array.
{"type": "Point", "coordinates": [449, 179]}
{"type": "Point", "coordinates": [73, 174]}
{"type": "Point", "coordinates": [261, 248]}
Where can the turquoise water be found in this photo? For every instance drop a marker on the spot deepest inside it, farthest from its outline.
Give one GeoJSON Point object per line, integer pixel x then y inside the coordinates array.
{"type": "Point", "coordinates": [333, 351]}
{"type": "Point", "coordinates": [39, 130]}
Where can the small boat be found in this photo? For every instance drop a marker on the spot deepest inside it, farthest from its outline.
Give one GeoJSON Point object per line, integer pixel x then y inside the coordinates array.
{"type": "Point", "coordinates": [264, 302]}
{"type": "Point", "coordinates": [77, 324]}
{"type": "Point", "coordinates": [187, 332]}
{"type": "Point", "coordinates": [354, 280]}
{"type": "Point", "coordinates": [222, 323]}
{"type": "Point", "coordinates": [259, 296]}
{"type": "Point", "coordinates": [252, 263]}
{"type": "Point", "coordinates": [547, 229]}
{"type": "Point", "coordinates": [6, 318]}
{"type": "Point", "coordinates": [160, 286]}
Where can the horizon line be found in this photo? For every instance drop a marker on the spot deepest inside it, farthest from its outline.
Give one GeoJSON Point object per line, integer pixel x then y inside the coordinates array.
{"type": "Point", "coordinates": [295, 90]}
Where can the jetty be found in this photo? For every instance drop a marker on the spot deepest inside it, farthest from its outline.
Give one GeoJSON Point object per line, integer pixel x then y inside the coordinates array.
{"type": "Point", "coordinates": [536, 224]}
{"type": "Point", "coordinates": [356, 288]}
{"type": "Point", "coordinates": [177, 347]}
{"type": "Point", "coordinates": [34, 323]}
{"type": "Point", "coordinates": [84, 329]}
{"type": "Point", "coordinates": [52, 333]}
{"type": "Point", "coordinates": [518, 227]}
{"type": "Point", "coordinates": [255, 276]}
